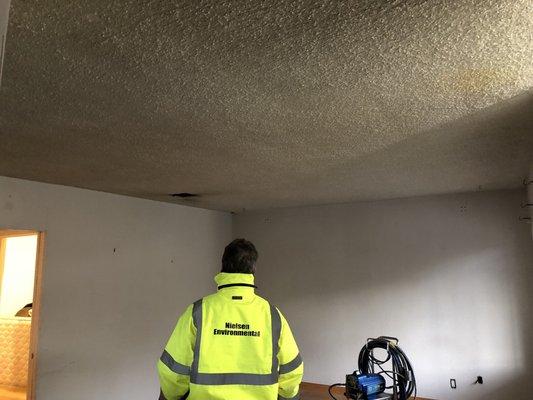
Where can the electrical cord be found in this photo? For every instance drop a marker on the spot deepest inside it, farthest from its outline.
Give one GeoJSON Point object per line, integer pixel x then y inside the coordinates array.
{"type": "Point", "coordinates": [332, 386]}
{"type": "Point", "coordinates": [404, 383]}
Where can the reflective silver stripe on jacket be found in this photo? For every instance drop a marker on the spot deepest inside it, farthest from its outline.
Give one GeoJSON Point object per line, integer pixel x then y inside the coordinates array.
{"type": "Point", "coordinates": [275, 323]}
{"type": "Point", "coordinates": [201, 378]}
{"type": "Point", "coordinates": [235, 379]}
{"type": "Point", "coordinates": [197, 321]}
{"type": "Point", "coordinates": [291, 365]}
{"type": "Point", "coordinates": [173, 365]}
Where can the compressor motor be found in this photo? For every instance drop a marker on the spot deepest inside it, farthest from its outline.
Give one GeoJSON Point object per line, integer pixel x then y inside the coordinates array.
{"type": "Point", "coordinates": [374, 376]}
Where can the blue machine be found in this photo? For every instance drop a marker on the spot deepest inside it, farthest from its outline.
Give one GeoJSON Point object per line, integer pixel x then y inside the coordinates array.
{"type": "Point", "coordinates": [366, 386]}
{"type": "Point", "coordinates": [394, 373]}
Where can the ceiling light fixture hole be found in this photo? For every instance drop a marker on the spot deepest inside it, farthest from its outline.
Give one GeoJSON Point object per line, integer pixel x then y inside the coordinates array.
{"type": "Point", "coordinates": [184, 195]}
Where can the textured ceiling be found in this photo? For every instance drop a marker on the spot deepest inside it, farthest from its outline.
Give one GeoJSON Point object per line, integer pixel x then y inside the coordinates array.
{"type": "Point", "coordinates": [262, 104]}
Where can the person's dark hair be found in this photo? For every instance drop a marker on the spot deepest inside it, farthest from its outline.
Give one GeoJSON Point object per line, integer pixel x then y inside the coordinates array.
{"type": "Point", "coordinates": [239, 257]}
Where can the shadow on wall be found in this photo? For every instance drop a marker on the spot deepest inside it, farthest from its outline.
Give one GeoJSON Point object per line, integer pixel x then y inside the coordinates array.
{"type": "Point", "coordinates": [450, 277]}
{"type": "Point", "coordinates": [521, 384]}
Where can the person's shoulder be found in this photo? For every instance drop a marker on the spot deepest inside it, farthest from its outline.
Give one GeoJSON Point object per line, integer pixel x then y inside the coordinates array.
{"type": "Point", "coordinates": [187, 310]}
{"type": "Point", "coordinates": [268, 303]}
{"type": "Point", "coordinates": [260, 299]}
{"type": "Point", "coordinates": [276, 308]}
{"type": "Point", "coordinates": [208, 298]}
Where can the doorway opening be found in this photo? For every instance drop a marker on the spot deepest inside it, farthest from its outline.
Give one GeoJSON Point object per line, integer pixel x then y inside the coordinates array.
{"type": "Point", "coordinates": [21, 253]}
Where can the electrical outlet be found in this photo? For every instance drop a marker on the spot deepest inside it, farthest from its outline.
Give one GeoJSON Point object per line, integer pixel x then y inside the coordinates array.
{"type": "Point", "coordinates": [453, 383]}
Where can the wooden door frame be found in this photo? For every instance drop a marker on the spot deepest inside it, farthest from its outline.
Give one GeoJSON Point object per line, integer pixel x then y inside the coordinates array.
{"type": "Point", "coordinates": [35, 317]}
{"type": "Point", "coordinates": [6, 233]}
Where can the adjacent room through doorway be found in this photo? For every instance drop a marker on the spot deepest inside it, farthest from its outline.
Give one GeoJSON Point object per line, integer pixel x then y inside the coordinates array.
{"type": "Point", "coordinates": [18, 288]}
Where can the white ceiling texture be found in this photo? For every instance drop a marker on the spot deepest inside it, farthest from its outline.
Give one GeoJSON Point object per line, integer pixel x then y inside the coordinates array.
{"type": "Point", "coordinates": [261, 104]}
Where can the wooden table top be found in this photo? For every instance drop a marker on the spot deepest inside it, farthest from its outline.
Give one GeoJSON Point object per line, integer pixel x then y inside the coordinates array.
{"type": "Point", "coordinates": [315, 391]}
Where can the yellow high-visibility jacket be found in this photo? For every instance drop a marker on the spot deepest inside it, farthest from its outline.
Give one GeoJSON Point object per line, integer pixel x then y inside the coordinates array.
{"type": "Point", "coordinates": [231, 345]}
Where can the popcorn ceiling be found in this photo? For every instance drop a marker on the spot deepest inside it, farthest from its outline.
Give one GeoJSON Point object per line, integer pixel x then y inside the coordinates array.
{"type": "Point", "coordinates": [262, 104]}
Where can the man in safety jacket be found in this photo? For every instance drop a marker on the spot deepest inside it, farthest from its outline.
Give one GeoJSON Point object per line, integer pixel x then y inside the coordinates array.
{"type": "Point", "coordinates": [233, 344]}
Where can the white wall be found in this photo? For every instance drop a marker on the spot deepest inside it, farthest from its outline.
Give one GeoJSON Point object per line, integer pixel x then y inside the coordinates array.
{"type": "Point", "coordinates": [18, 275]}
{"type": "Point", "coordinates": [117, 273]}
{"type": "Point", "coordinates": [450, 275]}
{"type": "Point", "coordinates": [452, 283]}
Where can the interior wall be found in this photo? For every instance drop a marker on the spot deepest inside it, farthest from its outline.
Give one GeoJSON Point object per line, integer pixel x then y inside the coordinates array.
{"type": "Point", "coordinates": [529, 203]}
{"type": "Point", "coordinates": [449, 275]}
{"type": "Point", "coordinates": [117, 273]}
{"type": "Point", "coordinates": [18, 274]}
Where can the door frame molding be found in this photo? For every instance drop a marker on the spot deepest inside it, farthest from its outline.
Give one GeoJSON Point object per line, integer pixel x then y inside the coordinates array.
{"type": "Point", "coordinates": [35, 317]}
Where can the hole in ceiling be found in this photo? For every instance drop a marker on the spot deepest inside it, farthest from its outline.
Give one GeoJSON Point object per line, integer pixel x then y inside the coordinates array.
{"type": "Point", "coordinates": [184, 195]}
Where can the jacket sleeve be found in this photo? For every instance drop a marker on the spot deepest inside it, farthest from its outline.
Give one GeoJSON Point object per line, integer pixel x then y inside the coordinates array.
{"type": "Point", "coordinates": [291, 367]}
{"type": "Point", "coordinates": [175, 364]}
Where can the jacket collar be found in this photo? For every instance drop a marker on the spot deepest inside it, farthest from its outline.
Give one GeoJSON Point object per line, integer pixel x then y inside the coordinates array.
{"type": "Point", "coordinates": [225, 278]}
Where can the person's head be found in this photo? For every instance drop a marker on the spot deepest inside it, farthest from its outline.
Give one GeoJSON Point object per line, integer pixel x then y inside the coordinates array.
{"type": "Point", "coordinates": [239, 257]}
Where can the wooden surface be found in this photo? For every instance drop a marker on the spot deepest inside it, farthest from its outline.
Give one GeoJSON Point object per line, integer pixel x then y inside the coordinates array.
{"type": "Point", "coordinates": [6, 233]}
{"type": "Point", "coordinates": [314, 391]}
{"type": "Point", "coordinates": [2, 257]}
{"type": "Point", "coordinates": [12, 393]}
{"type": "Point", "coordinates": [35, 317]}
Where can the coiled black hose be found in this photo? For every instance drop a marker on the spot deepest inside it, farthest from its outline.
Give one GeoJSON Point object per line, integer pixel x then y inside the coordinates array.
{"type": "Point", "coordinates": [402, 374]}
